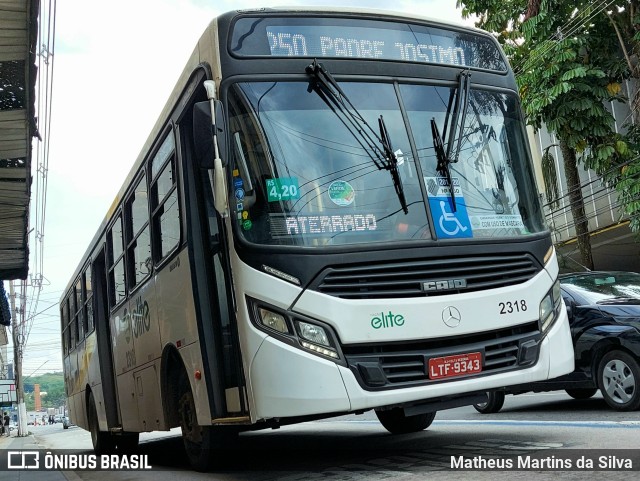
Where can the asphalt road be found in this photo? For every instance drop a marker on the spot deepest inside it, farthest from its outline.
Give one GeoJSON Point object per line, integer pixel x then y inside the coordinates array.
{"type": "Point", "coordinates": [549, 426]}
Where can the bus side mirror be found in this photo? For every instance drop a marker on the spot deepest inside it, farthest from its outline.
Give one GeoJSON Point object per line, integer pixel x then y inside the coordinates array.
{"type": "Point", "coordinates": [203, 133]}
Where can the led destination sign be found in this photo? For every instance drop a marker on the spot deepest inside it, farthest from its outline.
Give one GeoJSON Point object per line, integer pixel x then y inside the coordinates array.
{"type": "Point", "coordinates": [361, 43]}
{"type": "Point", "coordinates": [363, 39]}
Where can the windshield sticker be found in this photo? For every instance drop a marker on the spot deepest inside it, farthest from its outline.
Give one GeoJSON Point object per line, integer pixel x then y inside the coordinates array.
{"type": "Point", "coordinates": [439, 187]}
{"type": "Point", "coordinates": [497, 222]}
{"type": "Point", "coordinates": [247, 224]}
{"type": "Point", "coordinates": [239, 194]}
{"type": "Point", "coordinates": [450, 223]}
{"type": "Point", "coordinates": [342, 193]}
{"type": "Point", "coordinates": [282, 188]}
{"type": "Point", "coordinates": [329, 224]}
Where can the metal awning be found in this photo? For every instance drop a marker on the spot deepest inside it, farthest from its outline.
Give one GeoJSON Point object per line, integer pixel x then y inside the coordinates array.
{"type": "Point", "coordinates": [18, 38]}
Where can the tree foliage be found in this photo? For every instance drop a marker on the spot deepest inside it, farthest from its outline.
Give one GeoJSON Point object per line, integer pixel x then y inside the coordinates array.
{"type": "Point", "coordinates": [52, 384]}
{"type": "Point", "coordinates": [570, 58]}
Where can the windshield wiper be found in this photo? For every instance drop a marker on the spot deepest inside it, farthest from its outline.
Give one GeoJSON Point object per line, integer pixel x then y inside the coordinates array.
{"type": "Point", "coordinates": [462, 100]}
{"type": "Point", "coordinates": [392, 164]}
{"type": "Point", "coordinates": [445, 158]}
{"type": "Point", "coordinates": [384, 158]}
{"type": "Point", "coordinates": [443, 161]}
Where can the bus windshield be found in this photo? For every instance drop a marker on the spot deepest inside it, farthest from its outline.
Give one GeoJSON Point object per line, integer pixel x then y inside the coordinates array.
{"type": "Point", "coordinates": [303, 176]}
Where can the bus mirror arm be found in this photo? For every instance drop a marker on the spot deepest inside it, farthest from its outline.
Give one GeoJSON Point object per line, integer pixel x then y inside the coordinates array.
{"type": "Point", "coordinates": [220, 199]}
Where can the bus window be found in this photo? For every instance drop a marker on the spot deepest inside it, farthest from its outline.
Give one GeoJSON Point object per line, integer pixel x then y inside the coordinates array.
{"type": "Point", "coordinates": [72, 329]}
{"type": "Point", "coordinates": [163, 154]}
{"type": "Point", "coordinates": [79, 318]}
{"type": "Point", "coordinates": [166, 213]}
{"type": "Point", "coordinates": [139, 255]}
{"type": "Point", "coordinates": [88, 300]}
{"type": "Point", "coordinates": [117, 287]}
{"type": "Point", "coordinates": [64, 321]}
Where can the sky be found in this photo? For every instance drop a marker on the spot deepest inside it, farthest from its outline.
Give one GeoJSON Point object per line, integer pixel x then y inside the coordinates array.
{"type": "Point", "coordinates": [115, 64]}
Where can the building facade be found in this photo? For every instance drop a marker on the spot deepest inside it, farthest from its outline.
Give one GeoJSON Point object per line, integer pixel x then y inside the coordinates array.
{"type": "Point", "coordinates": [614, 246]}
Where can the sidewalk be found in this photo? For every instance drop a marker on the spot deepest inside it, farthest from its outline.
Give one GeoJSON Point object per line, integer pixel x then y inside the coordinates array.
{"type": "Point", "coordinates": [24, 443]}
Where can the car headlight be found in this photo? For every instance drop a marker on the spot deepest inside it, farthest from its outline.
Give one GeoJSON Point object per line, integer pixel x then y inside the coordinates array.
{"type": "Point", "coordinates": [550, 307]}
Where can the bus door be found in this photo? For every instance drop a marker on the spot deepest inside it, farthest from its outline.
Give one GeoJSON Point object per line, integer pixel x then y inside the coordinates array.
{"type": "Point", "coordinates": [221, 349]}
{"type": "Point", "coordinates": [103, 340]}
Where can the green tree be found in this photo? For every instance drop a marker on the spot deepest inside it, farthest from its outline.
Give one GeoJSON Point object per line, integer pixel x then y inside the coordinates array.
{"type": "Point", "coordinates": [568, 60]}
{"type": "Point", "coordinates": [52, 384]}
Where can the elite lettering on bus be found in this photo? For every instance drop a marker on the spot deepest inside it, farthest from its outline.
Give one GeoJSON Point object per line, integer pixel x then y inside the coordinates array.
{"type": "Point", "coordinates": [139, 318]}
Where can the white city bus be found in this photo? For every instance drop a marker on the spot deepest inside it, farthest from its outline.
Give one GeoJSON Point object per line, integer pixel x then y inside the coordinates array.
{"type": "Point", "coordinates": [335, 212]}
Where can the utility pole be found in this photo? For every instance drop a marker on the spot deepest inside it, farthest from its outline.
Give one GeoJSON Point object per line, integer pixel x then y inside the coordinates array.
{"type": "Point", "coordinates": [17, 361]}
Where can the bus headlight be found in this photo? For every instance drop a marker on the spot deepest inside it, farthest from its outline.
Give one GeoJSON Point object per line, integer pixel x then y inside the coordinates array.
{"type": "Point", "coordinates": [550, 307]}
{"type": "Point", "coordinates": [273, 320]}
{"type": "Point", "coordinates": [296, 330]}
{"type": "Point", "coordinates": [313, 333]}
{"type": "Point", "coordinates": [319, 339]}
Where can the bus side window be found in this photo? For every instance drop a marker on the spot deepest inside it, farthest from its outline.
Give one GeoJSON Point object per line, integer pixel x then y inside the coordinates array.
{"type": "Point", "coordinates": [117, 286]}
{"type": "Point", "coordinates": [64, 321]}
{"type": "Point", "coordinates": [164, 199]}
{"type": "Point", "coordinates": [88, 304]}
{"type": "Point", "coordinates": [78, 317]}
{"type": "Point", "coordinates": [139, 240]}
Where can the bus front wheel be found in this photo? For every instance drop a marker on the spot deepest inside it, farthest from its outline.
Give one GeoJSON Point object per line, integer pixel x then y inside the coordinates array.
{"type": "Point", "coordinates": [396, 422]}
{"type": "Point", "coordinates": [102, 441]}
{"type": "Point", "coordinates": [198, 440]}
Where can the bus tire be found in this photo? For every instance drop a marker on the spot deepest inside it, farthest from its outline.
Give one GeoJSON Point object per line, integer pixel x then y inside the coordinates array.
{"type": "Point", "coordinates": [198, 440]}
{"type": "Point", "coordinates": [619, 381]}
{"type": "Point", "coordinates": [396, 422]}
{"type": "Point", "coordinates": [102, 441]}
{"type": "Point", "coordinates": [584, 393]}
{"type": "Point", "coordinates": [495, 401]}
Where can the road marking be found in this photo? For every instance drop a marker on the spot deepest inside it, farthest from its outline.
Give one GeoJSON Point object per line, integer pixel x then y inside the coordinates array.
{"type": "Point", "coordinates": [577, 424]}
{"type": "Point", "coordinates": [515, 422]}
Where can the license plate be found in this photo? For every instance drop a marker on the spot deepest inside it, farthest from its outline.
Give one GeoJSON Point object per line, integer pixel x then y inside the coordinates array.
{"type": "Point", "coordinates": [452, 366]}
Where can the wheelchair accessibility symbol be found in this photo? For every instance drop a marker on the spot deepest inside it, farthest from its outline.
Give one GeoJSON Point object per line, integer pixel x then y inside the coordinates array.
{"type": "Point", "coordinates": [448, 223]}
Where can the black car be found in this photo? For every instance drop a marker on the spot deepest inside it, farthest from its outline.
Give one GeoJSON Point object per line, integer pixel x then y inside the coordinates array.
{"type": "Point", "coordinates": [604, 315]}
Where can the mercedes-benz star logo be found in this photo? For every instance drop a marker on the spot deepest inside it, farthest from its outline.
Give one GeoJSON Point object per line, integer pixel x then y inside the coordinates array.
{"type": "Point", "coordinates": [451, 316]}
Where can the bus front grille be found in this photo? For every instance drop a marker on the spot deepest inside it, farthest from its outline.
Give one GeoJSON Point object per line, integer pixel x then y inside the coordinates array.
{"type": "Point", "coordinates": [407, 278]}
{"type": "Point", "coordinates": [392, 365]}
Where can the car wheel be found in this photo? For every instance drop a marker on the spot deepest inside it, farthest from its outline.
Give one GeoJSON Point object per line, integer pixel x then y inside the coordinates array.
{"type": "Point", "coordinates": [102, 441]}
{"type": "Point", "coordinates": [584, 393]}
{"type": "Point", "coordinates": [495, 401]}
{"type": "Point", "coordinates": [618, 377]}
{"type": "Point", "coordinates": [395, 421]}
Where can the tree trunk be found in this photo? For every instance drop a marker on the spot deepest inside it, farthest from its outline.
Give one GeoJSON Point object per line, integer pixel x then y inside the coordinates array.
{"type": "Point", "coordinates": [577, 204]}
